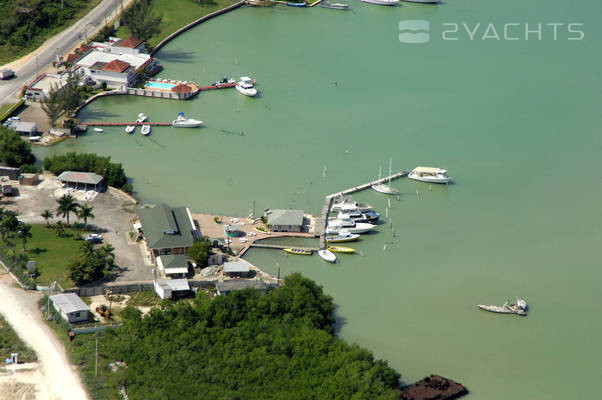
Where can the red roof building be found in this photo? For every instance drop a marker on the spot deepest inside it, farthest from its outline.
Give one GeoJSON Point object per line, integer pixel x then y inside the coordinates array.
{"type": "Point", "coordinates": [116, 66]}
{"type": "Point", "coordinates": [132, 42]}
{"type": "Point", "coordinates": [180, 88]}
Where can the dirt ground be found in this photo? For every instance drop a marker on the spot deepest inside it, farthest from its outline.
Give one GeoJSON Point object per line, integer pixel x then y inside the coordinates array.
{"type": "Point", "coordinates": [113, 210]}
{"type": "Point", "coordinates": [53, 378]}
{"type": "Point", "coordinates": [32, 112]}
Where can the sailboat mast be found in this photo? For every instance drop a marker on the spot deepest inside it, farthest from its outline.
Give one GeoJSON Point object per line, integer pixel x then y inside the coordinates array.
{"type": "Point", "coordinates": [390, 172]}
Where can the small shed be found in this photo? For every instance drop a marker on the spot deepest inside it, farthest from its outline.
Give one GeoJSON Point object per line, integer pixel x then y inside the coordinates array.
{"type": "Point", "coordinates": [71, 307]}
{"type": "Point", "coordinates": [285, 220]}
{"type": "Point", "coordinates": [24, 128]}
{"type": "Point", "coordinates": [237, 268]}
{"type": "Point", "coordinates": [226, 287]}
{"type": "Point", "coordinates": [173, 266]}
{"type": "Point", "coordinates": [82, 180]}
{"type": "Point", "coordinates": [172, 288]}
{"type": "Point", "coordinates": [10, 172]}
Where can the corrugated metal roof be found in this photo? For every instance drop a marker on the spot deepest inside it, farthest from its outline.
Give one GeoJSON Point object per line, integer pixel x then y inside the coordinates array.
{"type": "Point", "coordinates": [236, 266]}
{"type": "Point", "coordinates": [285, 217]}
{"type": "Point", "coordinates": [89, 178]}
{"type": "Point", "coordinates": [166, 227]}
{"type": "Point", "coordinates": [69, 303]}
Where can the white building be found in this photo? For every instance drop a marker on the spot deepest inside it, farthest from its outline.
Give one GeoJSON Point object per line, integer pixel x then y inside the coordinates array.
{"type": "Point", "coordinates": [116, 69]}
{"type": "Point", "coordinates": [39, 88]}
{"type": "Point", "coordinates": [71, 307]}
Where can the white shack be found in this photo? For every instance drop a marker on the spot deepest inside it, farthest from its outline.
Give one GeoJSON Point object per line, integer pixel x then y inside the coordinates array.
{"type": "Point", "coordinates": [71, 307]}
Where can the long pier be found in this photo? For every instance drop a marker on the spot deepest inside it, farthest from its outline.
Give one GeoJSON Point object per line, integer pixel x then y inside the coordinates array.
{"type": "Point", "coordinates": [125, 123]}
{"type": "Point", "coordinates": [321, 220]}
{"type": "Point", "coordinates": [281, 246]}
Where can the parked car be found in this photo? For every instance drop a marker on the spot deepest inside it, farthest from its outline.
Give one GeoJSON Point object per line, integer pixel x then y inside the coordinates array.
{"type": "Point", "coordinates": [94, 238]}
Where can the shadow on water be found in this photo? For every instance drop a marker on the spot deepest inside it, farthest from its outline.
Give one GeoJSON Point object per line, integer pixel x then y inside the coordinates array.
{"type": "Point", "coordinates": [177, 56]}
{"type": "Point", "coordinates": [99, 114]}
{"type": "Point", "coordinates": [339, 321]}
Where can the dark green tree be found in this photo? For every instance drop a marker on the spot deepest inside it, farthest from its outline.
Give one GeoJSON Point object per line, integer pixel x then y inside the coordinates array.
{"type": "Point", "coordinates": [142, 20]}
{"type": "Point", "coordinates": [47, 214]}
{"type": "Point", "coordinates": [52, 105]}
{"type": "Point", "coordinates": [24, 233]}
{"type": "Point", "coordinates": [199, 251]}
{"type": "Point", "coordinates": [66, 206]}
{"type": "Point", "coordinates": [14, 151]}
{"type": "Point", "coordinates": [85, 213]}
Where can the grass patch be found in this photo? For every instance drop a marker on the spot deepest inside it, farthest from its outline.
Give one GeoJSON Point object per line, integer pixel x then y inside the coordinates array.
{"type": "Point", "coordinates": [11, 343]}
{"type": "Point", "coordinates": [53, 254]}
{"type": "Point", "coordinates": [176, 14]}
{"type": "Point", "coordinates": [7, 109]}
{"type": "Point", "coordinates": [144, 299]}
{"type": "Point", "coordinates": [11, 53]}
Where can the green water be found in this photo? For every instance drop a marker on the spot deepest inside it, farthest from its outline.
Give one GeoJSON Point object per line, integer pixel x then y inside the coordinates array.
{"type": "Point", "coordinates": [517, 124]}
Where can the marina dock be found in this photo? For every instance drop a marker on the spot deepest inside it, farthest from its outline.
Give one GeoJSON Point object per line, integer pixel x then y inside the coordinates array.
{"type": "Point", "coordinates": [125, 123]}
{"type": "Point", "coordinates": [321, 220]}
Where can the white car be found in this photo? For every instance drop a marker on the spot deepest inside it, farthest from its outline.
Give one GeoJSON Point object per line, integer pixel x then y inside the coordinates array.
{"type": "Point", "coordinates": [94, 238]}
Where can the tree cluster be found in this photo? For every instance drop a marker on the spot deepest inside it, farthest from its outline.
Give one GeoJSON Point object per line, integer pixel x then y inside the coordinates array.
{"type": "Point", "coordinates": [65, 100]}
{"type": "Point", "coordinates": [91, 263]}
{"type": "Point", "coordinates": [23, 22]}
{"type": "Point", "coordinates": [14, 151]}
{"type": "Point", "coordinates": [142, 20]}
{"type": "Point", "coordinates": [279, 345]}
{"type": "Point", "coordinates": [113, 173]}
{"type": "Point", "coordinates": [199, 251]}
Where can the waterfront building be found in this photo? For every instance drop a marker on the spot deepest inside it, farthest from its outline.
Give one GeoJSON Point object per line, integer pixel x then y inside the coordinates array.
{"type": "Point", "coordinates": [23, 127]}
{"type": "Point", "coordinates": [167, 230]}
{"type": "Point", "coordinates": [39, 88]}
{"type": "Point", "coordinates": [239, 269]}
{"type": "Point", "coordinates": [82, 180]}
{"type": "Point", "coordinates": [285, 220]}
{"type": "Point", "coordinates": [173, 266]}
{"type": "Point", "coordinates": [71, 307]}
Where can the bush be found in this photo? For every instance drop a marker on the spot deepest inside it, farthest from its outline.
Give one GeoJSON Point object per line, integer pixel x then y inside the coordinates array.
{"type": "Point", "coordinates": [103, 85]}
{"type": "Point", "coordinates": [31, 169]}
{"type": "Point", "coordinates": [128, 188]}
{"type": "Point", "coordinates": [14, 151]}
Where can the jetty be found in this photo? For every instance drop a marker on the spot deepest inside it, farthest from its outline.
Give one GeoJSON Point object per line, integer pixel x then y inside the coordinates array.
{"type": "Point", "coordinates": [281, 246]}
{"type": "Point", "coordinates": [124, 123]}
{"type": "Point", "coordinates": [321, 219]}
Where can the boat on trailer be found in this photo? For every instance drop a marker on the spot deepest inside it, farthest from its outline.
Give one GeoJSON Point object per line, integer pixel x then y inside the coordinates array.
{"type": "Point", "coordinates": [299, 252]}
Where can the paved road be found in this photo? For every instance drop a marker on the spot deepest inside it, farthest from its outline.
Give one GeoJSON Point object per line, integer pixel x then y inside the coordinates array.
{"type": "Point", "coordinates": [64, 42]}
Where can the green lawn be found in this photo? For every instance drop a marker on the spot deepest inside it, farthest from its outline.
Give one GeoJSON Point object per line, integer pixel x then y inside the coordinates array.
{"type": "Point", "coordinates": [53, 254]}
{"type": "Point", "coordinates": [11, 343]}
{"type": "Point", "coordinates": [176, 14]}
{"type": "Point", "coordinates": [10, 53]}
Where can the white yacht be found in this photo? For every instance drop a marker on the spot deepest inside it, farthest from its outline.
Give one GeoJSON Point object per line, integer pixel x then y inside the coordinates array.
{"type": "Point", "coordinates": [347, 204]}
{"type": "Point", "coordinates": [358, 216]}
{"type": "Point", "coordinates": [130, 129]}
{"type": "Point", "coordinates": [382, 2]}
{"type": "Point", "coordinates": [141, 118]}
{"type": "Point", "coordinates": [381, 187]}
{"type": "Point", "coordinates": [183, 122]}
{"type": "Point", "coordinates": [98, 130]}
{"type": "Point", "coordinates": [245, 86]}
{"type": "Point", "coordinates": [342, 237]}
{"type": "Point", "coordinates": [146, 129]}
{"type": "Point", "coordinates": [327, 256]}
{"type": "Point", "coordinates": [429, 174]}
{"type": "Point", "coordinates": [337, 225]}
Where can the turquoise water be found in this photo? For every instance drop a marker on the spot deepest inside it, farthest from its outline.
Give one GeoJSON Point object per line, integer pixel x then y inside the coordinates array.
{"type": "Point", "coordinates": [160, 85]}
{"type": "Point", "coordinates": [516, 123]}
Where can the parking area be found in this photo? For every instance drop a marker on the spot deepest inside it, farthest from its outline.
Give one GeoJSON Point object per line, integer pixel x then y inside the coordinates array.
{"type": "Point", "coordinates": [113, 211]}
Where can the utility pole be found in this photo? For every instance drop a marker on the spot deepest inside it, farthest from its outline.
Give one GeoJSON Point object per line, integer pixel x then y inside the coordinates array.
{"type": "Point", "coordinates": [36, 66]}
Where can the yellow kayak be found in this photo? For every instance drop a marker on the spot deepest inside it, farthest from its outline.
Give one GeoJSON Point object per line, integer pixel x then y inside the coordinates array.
{"type": "Point", "coordinates": [300, 252]}
{"type": "Point", "coordinates": [341, 249]}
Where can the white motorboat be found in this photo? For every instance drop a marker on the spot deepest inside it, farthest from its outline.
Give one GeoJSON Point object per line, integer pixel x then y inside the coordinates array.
{"type": "Point", "coordinates": [381, 187]}
{"type": "Point", "coordinates": [429, 174]}
{"type": "Point", "coordinates": [347, 204]}
{"type": "Point", "coordinates": [342, 237]}
{"type": "Point", "coordinates": [141, 118]}
{"type": "Point", "coordinates": [98, 130]}
{"type": "Point", "coordinates": [245, 86]}
{"type": "Point", "coordinates": [520, 308]}
{"type": "Point", "coordinates": [358, 216]}
{"type": "Point", "coordinates": [382, 2]}
{"type": "Point", "coordinates": [183, 122]}
{"type": "Point", "coordinates": [334, 6]}
{"type": "Point", "coordinates": [130, 129]}
{"type": "Point", "coordinates": [146, 129]}
{"type": "Point", "coordinates": [337, 225]}
{"type": "Point", "coordinates": [327, 255]}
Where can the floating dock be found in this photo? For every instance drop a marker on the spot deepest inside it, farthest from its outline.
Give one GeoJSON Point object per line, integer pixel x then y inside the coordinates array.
{"type": "Point", "coordinates": [321, 220]}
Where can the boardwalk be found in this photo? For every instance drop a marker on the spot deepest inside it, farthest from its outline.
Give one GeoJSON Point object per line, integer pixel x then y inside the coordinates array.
{"type": "Point", "coordinates": [321, 219]}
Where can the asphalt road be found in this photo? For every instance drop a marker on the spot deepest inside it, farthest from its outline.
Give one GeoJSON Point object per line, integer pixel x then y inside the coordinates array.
{"type": "Point", "coordinates": [61, 43]}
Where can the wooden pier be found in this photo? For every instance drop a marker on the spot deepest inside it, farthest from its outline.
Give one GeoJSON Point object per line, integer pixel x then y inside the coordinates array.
{"type": "Point", "coordinates": [125, 123]}
{"type": "Point", "coordinates": [281, 246]}
{"type": "Point", "coordinates": [320, 227]}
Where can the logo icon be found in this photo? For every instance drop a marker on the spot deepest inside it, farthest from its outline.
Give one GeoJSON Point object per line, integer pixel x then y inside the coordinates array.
{"type": "Point", "coordinates": [414, 26]}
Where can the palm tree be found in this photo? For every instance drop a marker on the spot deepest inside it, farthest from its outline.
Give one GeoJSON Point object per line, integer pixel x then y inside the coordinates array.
{"type": "Point", "coordinates": [85, 212]}
{"type": "Point", "coordinates": [23, 233]}
{"type": "Point", "coordinates": [67, 205]}
{"type": "Point", "coordinates": [47, 214]}
{"type": "Point", "coordinates": [60, 228]}
{"type": "Point", "coordinates": [108, 254]}
{"type": "Point", "coordinates": [9, 223]}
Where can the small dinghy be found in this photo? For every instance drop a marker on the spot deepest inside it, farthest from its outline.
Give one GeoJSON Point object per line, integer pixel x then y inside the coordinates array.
{"type": "Point", "coordinates": [98, 130]}
{"type": "Point", "coordinates": [141, 118]}
{"type": "Point", "coordinates": [327, 256]}
{"type": "Point", "coordinates": [146, 129]}
{"type": "Point", "coordinates": [130, 129]}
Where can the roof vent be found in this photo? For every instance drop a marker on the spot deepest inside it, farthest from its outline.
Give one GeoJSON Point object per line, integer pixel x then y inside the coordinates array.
{"type": "Point", "coordinates": [169, 232]}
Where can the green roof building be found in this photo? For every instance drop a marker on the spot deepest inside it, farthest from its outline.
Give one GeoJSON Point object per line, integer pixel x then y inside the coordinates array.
{"type": "Point", "coordinates": [167, 230]}
{"type": "Point", "coordinates": [285, 220]}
